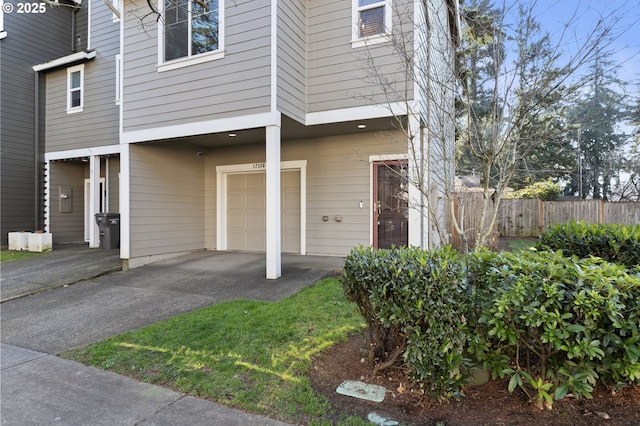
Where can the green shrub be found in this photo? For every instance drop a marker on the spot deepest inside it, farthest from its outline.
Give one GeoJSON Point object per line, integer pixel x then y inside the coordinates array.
{"type": "Point", "coordinates": [414, 303]}
{"type": "Point", "coordinates": [546, 190]}
{"type": "Point", "coordinates": [555, 324]}
{"type": "Point", "coordinates": [613, 243]}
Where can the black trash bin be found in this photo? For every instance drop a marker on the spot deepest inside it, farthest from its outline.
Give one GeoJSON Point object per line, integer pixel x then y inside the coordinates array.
{"type": "Point", "coordinates": [109, 225]}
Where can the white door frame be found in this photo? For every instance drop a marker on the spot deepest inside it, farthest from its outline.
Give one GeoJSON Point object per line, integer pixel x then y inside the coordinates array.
{"type": "Point", "coordinates": [221, 189]}
{"type": "Point", "coordinates": [88, 220]}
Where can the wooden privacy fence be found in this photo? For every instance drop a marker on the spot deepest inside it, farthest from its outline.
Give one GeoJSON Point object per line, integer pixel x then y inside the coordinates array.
{"type": "Point", "coordinates": [530, 217]}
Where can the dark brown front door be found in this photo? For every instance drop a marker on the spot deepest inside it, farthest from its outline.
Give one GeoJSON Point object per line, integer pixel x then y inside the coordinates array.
{"type": "Point", "coordinates": [391, 206]}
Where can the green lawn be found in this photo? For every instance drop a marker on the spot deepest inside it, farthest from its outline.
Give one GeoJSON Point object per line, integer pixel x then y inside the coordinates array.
{"type": "Point", "coordinates": [249, 355]}
{"type": "Point", "coordinates": [11, 255]}
{"type": "Point", "coordinates": [515, 244]}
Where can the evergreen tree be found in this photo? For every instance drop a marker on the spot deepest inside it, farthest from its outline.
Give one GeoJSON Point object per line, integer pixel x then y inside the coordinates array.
{"type": "Point", "coordinates": [511, 118]}
{"type": "Point", "coordinates": [598, 111]}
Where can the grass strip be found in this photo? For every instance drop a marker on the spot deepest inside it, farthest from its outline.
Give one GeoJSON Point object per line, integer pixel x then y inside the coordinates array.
{"type": "Point", "coordinates": [246, 354]}
{"type": "Point", "coordinates": [11, 255]}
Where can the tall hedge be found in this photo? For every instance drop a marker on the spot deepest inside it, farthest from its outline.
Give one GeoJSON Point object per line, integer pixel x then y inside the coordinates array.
{"type": "Point", "coordinates": [556, 324]}
{"type": "Point", "coordinates": [414, 303]}
{"type": "Point", "coordinates": [553, 324]}
{"type": "Point", "coordinates": [613, 243]}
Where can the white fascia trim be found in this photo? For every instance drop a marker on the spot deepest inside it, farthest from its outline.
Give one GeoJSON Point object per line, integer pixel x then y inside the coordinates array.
{"type": "Point", "coordinates": [65, 60]}
{"type": "Point", "coordinates": [357, 113]}
{"type": "Point", "coordinates": [203, 127]}
{"type": "Point", "coordinates": [3, 34]}
{"type": "Point", "coordinates": [260, 167]}
{"type": "Point", "coordinates": [388, 157]}
{"type": "Point", "coordinates": [85, 152]}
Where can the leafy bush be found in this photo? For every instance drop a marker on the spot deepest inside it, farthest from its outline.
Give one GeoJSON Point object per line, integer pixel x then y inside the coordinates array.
{"type": "Point", "coordinates": [613, 243]}
{"type": "Point", "coordinates": [546, 190]}
{"type": "Point", "coordinates": [556, 324]}
{"type": "Point", "coordinates": [414, 303]}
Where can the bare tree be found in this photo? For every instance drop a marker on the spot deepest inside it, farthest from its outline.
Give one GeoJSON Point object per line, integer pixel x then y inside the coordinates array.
{"type": "Point", "coordinates": [420, 94]}
{"type": "Point", "coordinates": [510, 82]}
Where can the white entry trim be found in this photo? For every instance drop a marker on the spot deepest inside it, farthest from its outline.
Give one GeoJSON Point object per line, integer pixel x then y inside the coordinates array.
{"type": "Point", "coordinates": [379, 159]}
{"type": "Point", "coordinates": [221, 201]}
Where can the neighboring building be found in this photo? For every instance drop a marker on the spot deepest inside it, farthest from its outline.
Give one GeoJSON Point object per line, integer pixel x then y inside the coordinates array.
{"type": "Point", "coordinates": [252, 125]}
{"type": "Point", "coordinates": [21, 146]}
{"type": "Point", "coordinates": [82, 132]}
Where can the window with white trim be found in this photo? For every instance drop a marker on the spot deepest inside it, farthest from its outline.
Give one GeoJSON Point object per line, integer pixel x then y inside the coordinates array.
{"type": "Point", "coordinates": [371, 19]}
{"type": "Point", "coordinates": [75, 89]}
{"type": "Point", "coordinates": [117, 5]}
{"type": "Point", "coordinates": [191, 28]}
{"type": "Point", "coordinates": [3, 33]}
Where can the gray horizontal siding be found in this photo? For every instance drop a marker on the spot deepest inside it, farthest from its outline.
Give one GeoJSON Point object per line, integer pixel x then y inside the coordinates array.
{"type": "Point", "coordinates": [237, 84]}
{"type": "Point", "coordinates": [113, 183]}
{"type": "Point", "coordinates": [292, 58]}
{"type": "Point", "coordinates": [19, 51]}
{"type": "Point", "coordinates": [69, 226]}
{"type": "Point", "coordinates": [97, 125]}
{"type": "Point", "coordinates": [338, 74]}
{"type": "Point", "coordinates": [166, 200]}
{"type": "Point", "coordinates": [338, 178]}
{"type": "Point", "coordinates": [173, 191]}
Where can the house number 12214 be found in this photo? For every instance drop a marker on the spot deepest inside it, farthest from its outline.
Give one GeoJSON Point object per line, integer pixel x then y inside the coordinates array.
{"type": "Point", "coordinates": [258, 165]}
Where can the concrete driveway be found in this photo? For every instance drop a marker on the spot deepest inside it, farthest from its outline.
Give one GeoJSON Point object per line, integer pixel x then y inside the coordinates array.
{"type": "Point", "coordinates": [40, 388]}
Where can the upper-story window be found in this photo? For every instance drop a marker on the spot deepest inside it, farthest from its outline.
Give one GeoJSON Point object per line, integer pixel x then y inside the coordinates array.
{"type": "Point", "coordinates": [371, 20]}
{"type": "Point", "coordinates": [193, 30]}
{"type": "Point", "coordinates": [117, 5]}
{"type": "Point", "coordinates": [75, 89]}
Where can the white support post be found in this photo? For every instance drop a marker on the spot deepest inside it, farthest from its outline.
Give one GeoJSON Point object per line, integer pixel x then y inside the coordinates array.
{"type": "Point", "coordinates": [274, 255]}
{"type": "Point", "coordinates": [124, 201]}
{"type": "Point", "coordinates": [418, 211]}
{"type": "Point", "coordinates": [94, 200]}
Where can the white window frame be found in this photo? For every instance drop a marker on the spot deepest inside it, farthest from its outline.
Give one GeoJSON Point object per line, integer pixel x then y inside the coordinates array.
{"type": "Point", "coordinates": [117, 5]}
{"type": "Point", "coordinates": [3, 33]}
{"type": "Point", "coordinates": [70, 72]}
{"type": "Point", "coordinates": [358, 41]}
{"type": "Point", "coordinates": [194, 59]}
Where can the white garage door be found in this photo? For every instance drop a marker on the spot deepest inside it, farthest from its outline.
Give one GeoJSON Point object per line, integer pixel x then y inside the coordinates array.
{"type": "Point", "coordinates": [246, 211]}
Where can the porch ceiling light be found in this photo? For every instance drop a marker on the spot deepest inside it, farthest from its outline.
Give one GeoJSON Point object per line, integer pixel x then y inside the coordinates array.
{"type": "Point", "coordinates": [362, 126]}
{"type": "Point", "coordinates": [232, 135]}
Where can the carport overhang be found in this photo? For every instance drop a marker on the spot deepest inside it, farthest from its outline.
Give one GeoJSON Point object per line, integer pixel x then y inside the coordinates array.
{"type": "Point", "coordinates": [271, 129]}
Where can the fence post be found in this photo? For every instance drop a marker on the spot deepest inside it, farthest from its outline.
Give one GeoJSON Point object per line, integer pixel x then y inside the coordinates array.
{"type": "Point", "coordinates": [540, 216]}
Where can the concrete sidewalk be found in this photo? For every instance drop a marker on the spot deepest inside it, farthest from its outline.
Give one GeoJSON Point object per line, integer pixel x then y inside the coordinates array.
{"type": "Point", "coordinates": [39, 388]}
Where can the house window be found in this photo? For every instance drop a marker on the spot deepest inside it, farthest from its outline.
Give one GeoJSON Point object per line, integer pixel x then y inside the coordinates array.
{"type": "Point", "coordinates": [371, 19]}
{"type": "Point", "coordinates": [117, 6]}
{"type": "Point", "coordinates": [191, 28]}
{"type": "Point", "coordinates": [75, 89]}
{"type": "Point", "coordinates": [3, 33]}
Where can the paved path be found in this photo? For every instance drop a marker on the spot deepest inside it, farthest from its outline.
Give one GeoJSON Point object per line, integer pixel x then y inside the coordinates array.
{"type": "Point", "coordinates": [39, 388]}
